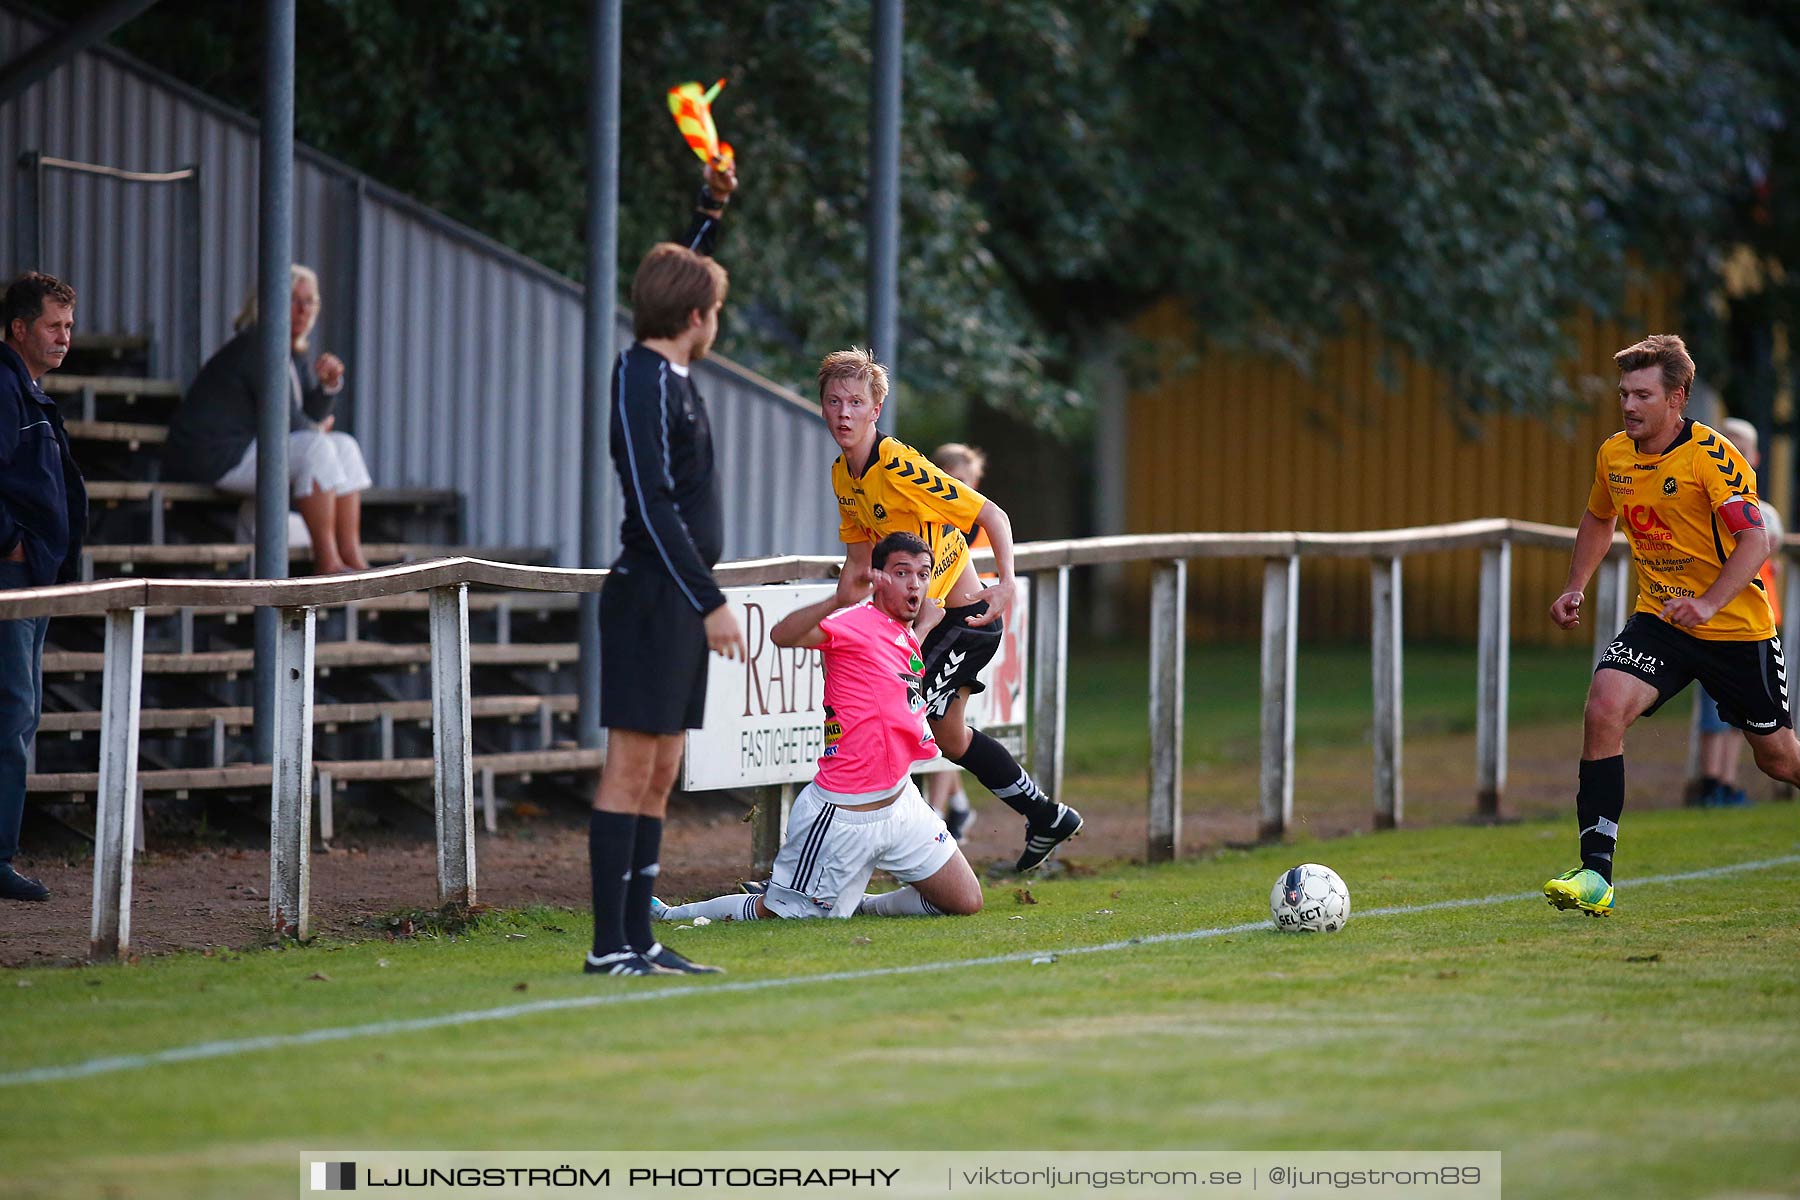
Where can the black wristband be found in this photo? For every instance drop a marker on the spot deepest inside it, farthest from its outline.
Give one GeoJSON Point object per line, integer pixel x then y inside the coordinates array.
{"type": "Point", "coordinates": [707, 202]}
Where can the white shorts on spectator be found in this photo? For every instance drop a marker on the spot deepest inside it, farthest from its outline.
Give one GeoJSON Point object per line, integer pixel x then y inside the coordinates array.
{"type": "Point", "coordinates": [330, 462]}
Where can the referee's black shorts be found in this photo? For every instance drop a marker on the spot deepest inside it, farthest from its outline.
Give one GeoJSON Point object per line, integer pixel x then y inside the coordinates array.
{"type": "Point", "coordinates": [653, 653]}
{"type": "Point", "coordinates": [1748, 679]}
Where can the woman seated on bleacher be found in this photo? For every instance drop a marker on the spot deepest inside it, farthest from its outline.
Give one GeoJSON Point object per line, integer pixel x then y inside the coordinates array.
{"type": "Point", "coordinates": [213, 436]}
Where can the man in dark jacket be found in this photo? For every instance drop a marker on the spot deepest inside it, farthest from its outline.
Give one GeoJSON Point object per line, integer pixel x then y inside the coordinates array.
{"type": "Point", "coordinates": [43, 515]}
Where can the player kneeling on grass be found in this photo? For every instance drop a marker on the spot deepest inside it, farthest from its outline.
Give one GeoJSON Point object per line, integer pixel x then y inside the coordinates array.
{"type": "Point", "coordinates": [862, 813]}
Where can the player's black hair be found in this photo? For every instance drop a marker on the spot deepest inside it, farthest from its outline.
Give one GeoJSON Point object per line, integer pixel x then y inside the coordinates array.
{"type": "Point", "coordinates": [897, 543]}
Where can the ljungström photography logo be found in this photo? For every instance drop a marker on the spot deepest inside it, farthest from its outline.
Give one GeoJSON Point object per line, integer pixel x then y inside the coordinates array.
{"type": "Point", "coordinates": [333, 1177]}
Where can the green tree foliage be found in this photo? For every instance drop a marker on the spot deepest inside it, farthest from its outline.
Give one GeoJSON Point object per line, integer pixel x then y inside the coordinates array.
{"type": "Point", "coordinates": [1465, 173]}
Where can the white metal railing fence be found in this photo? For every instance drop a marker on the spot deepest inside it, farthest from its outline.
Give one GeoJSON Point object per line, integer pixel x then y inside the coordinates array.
{"type": "Point", "coordinates": [1047, 564]}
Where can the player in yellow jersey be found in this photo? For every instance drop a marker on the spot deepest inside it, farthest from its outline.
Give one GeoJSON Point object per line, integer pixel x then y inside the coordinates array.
{"type": "Point", "coordinates": [1697, 537]}
{"type": "Point", "coordinates": [884, 486]}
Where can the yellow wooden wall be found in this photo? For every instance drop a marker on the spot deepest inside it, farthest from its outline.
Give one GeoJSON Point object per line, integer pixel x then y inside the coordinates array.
{"type": "Point", "coordinates": [1233, 441]}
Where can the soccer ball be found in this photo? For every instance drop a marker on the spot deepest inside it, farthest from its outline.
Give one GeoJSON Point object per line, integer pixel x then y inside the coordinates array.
{"type": "Point", "coordinates": [1309, 899]}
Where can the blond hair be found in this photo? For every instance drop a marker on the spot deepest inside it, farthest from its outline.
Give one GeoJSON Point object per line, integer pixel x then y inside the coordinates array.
{"type": "Point", "coordinates": [854, 363]}
{"type": "Point", "coordinates": [1741, 434]}
{"type": "Point", "coordinates": [247, 314]}
{"type": "Point", "coordinates": [954, 457]}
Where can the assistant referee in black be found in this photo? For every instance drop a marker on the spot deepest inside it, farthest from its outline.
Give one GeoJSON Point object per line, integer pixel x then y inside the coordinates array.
{"type": "Point", "coordinates": [660, 612]}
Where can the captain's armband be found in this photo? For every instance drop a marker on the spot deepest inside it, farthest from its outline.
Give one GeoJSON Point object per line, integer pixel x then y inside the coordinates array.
{"type": "Point", "coordinates": [1740, 513]}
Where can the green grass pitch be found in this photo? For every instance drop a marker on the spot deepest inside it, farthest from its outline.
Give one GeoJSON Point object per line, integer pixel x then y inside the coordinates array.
{"type": "Point", "coordinates": [1648, 1054]}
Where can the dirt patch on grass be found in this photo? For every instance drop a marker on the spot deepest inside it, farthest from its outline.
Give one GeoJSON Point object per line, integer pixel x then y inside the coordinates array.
{"type": "Point", "coordinates": [190, 897]}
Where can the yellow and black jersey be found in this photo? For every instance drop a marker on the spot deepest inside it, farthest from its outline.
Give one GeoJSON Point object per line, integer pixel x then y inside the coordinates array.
{"type": "Point", "coordinates": [1669, 506]}
{"type": "Point", "coordinates": [901, 491]}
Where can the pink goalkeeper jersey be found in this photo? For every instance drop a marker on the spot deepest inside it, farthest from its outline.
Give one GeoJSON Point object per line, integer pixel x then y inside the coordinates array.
{"type": "Point", "coordinates": [874, 706]}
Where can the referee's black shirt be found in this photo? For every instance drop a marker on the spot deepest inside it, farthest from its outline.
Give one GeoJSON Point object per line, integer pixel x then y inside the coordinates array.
{"type": "Point", "coordinates": [662, 449]}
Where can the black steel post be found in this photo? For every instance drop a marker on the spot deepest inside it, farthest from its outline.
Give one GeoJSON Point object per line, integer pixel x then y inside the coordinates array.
{"type": "Point", "coordinates": [598, 325]}
{"type": "Point", "coordinates": [274, 297]}
{"type": "Point", "coordinates": [28, 218]}
{"type": "Point", "coordinates": [886, 34]}
{"type": "Point", "coordinates": [188, 232]}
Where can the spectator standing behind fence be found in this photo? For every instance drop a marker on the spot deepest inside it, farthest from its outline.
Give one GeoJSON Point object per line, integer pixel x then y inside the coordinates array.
{"type": "Point", "coordinates": [213, 436]}
{"type": "Point", "coordinates": [43, 515]}
{"type": "Point", "coordinates": [965, 464]}
{"type": "Point", "coordinates": [1721, 745]}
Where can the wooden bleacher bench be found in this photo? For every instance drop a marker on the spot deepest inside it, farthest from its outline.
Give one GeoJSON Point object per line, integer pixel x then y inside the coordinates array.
{"type": "Point", "coordinates": [254, 775]}
{"type": "Point", "coordinates": [326, 655]}
{"type": "Point", "coordinates": [505, 607]}
{"type": "Point", "coordinates": [131, 436]}
{"type": "Point", "coordinates": [325, 715]}
{"type": "Point", "coordinates": [116, 413]}
{"type": "Point", "coordinates": [127, 390]}
{"type": "Point", "coordinates": [57, 384]}
{"type": "Point", "coordinates": [162, 498]}
{"type": "Point", "coordinates": [222, 556]}
{"type": "Point", "coordinates": [331, 775]}
{"type": "Point", "coordinates": [405, 602]}
{"type": "Point", "coordinates": [110, 343]}
{"type": "Point", "coordinates": [123, 491]}
{"type": "Point", "coordinates": [327, 718]}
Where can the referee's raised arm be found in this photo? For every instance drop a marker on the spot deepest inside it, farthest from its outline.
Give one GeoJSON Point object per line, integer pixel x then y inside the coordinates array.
{"type": "Point", "coordinates": [720, 181]}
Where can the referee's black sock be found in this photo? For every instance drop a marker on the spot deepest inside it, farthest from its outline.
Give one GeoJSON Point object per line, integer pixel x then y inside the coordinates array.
{"type": "Point", "coordinates": [611, 839]}
{"type": "Point", "coordinates": [1598, 805]}
{"type": "Point", "coordinates": [644, 867]}
{"type": "Point", "coordinates": [988, 761]}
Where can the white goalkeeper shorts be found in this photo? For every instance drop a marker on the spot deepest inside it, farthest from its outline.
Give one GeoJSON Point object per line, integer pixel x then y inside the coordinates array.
{"type": "Point", "coordinates": [830, 852]}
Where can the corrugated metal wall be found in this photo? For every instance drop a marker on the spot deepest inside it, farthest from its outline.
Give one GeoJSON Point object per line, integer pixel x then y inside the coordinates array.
{"type": "Point", "coordinates": [464, 357]}
{"type": "Point", "coordinates": [1238, 442]}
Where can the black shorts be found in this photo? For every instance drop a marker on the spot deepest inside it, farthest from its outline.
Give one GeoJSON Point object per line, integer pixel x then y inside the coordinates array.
{"type": "Point", "coordinates": [1748, 679]}
{"type": "Point", "coordinates": [954, 655]}
{"type": "Point", "coordinates": [652, 653]}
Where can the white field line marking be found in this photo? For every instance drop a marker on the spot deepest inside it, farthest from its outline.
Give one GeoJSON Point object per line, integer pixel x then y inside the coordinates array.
{"type": "Point", "coordinates": [281, 1041]}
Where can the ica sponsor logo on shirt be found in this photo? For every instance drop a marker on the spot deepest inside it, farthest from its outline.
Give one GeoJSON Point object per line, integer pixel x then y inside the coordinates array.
{"type": "Point", "coordinates": [1647, 524]}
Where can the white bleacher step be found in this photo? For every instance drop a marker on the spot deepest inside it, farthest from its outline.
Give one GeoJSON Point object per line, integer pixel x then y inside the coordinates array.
{"type": "Point", "coordinates": [327, 655]}
{"type": "Point", "coordinates": [480, 707]}
{"type": "Point", "coordinates": [257, 775]}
